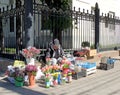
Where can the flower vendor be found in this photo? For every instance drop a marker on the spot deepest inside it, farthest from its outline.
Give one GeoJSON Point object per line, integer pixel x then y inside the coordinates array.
{"type": "Point", "coordinates": [54, 51]}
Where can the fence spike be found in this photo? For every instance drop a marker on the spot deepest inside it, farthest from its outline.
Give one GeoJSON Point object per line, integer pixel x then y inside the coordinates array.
{"type": "Point", "coordinates": [7, 8]}
{"type": "Point", "coordinates": [87, 11]}
{"type": "Point", "coordinates": [91, 11]}
{"type": "Point", "coordinates": [105, 14]}
{"type": "Point", "coordinates": [74, 8]}
{"type": "Point", "coordinates": [83, 10]}
{"type": "Point", "coordinates": [108, 15]}
{"type": "Point", "coordinates": [113, 16]}
{"type": "Point", "coordinates": [79, 9]}
{"type": "Point", "coordinates": [3, 9]}
{"type": "Point", "coordinates": [11, 6]}
{"type": "Point", "coordinates": [102, 14]}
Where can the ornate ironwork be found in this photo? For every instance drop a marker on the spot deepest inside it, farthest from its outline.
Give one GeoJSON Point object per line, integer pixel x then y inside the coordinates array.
{"type": "Point", "coordinates": [1, 35]}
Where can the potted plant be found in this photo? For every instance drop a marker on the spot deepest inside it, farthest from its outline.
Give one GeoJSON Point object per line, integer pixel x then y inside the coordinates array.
{"type": "Point", "coordinates": [69, 77]}
{"type": "Point", "coordinates": [85, 45]}
{"type": "Point", "coordinates": [19, 77]}
{"type": "Point", "coordinates": [47, 80]}
{"type": "Point", "coordinates": [55, 79]}
{"type": "Point", "coordinates": [31, 70]}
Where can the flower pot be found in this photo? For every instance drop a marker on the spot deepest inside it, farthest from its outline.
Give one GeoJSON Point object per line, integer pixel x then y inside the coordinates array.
{"type": "Point", "coordinates": [31, 80]}
{"type": "Point", "coordinates": [19, 82]}
{"type": "Point", "coordinates": [55, 82]}
{"type": "Point", "coordinates": [59, 79]}
{"type": "Point", "coordinates": [47, 84]}
{"type": "Point", "coordinates": [63, 80]}
{"type": "Point", "coordinates": [69, 79]}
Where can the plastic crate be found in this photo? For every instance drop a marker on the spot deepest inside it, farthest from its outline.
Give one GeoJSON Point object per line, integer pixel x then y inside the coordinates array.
{"type": "Point", "coordinates": [107, 60]}
{"type": "Point", "coordinates": [88, 65]}
{"type": "Point", "coordinates": [110, 61]}
{"type": "Point", "coordinates": [84, 72]}
{"type": "Point", "coordinates": [78, 75]}
{"type": "Point", "coordinates": [105, 66]}
{"type": "Point", "coordinates": [89, 71]}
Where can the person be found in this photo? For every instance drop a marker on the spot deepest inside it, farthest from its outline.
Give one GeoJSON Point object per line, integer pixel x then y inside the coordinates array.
{"type": "Point", "coordinates": [54, 51]}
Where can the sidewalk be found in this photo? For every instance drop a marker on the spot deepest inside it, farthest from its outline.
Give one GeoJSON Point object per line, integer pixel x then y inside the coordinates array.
{"type": "Point", "coordinates": [101, 83]}
{"type": "Point", "coordinates": [5, 62]}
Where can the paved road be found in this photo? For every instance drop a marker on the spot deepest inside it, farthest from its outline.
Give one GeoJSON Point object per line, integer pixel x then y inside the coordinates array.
{"type": "Point", "coordinates": [101, 83]}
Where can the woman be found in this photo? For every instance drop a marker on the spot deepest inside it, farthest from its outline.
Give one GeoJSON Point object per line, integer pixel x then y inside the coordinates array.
{"type": "Point", "coordinates": [55, 51]}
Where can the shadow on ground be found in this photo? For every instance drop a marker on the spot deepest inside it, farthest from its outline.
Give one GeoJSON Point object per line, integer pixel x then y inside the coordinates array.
{"type": "Point", "coordinates": [7, 88]}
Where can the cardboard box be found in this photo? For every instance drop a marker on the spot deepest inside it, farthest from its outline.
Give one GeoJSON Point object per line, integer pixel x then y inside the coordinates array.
{"type": "Point", "coordinates": [92, 52]}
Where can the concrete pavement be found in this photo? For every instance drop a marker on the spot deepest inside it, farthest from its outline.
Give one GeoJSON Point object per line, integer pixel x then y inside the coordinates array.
{"type": "Point", "coordinates": [101, 83]}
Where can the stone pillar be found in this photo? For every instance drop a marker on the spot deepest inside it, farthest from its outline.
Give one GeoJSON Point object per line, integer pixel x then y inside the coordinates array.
{"type": "Point", "coordinates": [29, 32]}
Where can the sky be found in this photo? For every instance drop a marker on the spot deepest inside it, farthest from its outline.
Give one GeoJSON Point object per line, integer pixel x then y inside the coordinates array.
{"type": "Point", "coordinates": [104, 5]}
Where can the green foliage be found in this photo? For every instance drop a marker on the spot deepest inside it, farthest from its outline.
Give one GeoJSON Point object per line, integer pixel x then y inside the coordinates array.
{"type": "Point", "coordinates": [85, 44]}
{"type": "Point", "coordinates": [60, 18]}
{"type": "Point", "coordinates": [9, 50]}
{"type": "Point", "coordinates": [92, 46]}
{"type": "Point", "coordinates": [58, 4]}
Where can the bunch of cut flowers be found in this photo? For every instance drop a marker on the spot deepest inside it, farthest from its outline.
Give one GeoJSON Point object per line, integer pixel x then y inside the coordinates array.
{"type": "Point", "coordinates": [50, 69]}
{"type": "Point", "coordinates": [31, 69]}
{"type": "Point", "coordinates": [19, 74]}
{"type": "Point", "coordinates": [55, 68]}
{"type": "Point", "coordinates": [65, 64]}
{"type": "Point", "coordinates": [30, 52]}
{"type": "Point", "coordinates": [46, 69]}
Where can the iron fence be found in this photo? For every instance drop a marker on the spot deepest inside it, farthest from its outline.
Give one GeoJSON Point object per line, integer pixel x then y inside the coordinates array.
{"type": "Point", "coordinates": [71, 27]}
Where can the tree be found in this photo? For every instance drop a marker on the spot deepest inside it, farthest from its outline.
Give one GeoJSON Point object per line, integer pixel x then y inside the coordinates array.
{"type": "Point", "coordinates": [59, 18]}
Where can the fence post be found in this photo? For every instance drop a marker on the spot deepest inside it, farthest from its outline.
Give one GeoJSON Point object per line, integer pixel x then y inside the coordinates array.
{"type": "Point", "coordinates": [18, 27]}
{"type": "Point", "coordinates": [29, 32]}
{"type": "Point", "coordinates": [97, 27]}
{"type": "Point", "coordinates": [1, 35]}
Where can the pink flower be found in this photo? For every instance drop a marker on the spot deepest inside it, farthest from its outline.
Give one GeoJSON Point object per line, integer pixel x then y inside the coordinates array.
{"type": "Point", "coordinates": [30, 68]}
{"type": "Point", "coordinates": [30, 52]}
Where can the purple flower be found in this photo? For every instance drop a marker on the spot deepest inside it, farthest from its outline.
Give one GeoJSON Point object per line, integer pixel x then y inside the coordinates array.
{"type": "Point", "coordinates": [31, 68]}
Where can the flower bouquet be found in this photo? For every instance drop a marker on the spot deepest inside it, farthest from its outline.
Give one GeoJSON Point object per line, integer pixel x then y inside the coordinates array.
{"type": "Point", "coordinates": [65, 65]}
{"type": "Point", "coordinates": [31, 70]}
{"type": "Point", "coordinates": [55, 79]}
{"type": "Point", "coordinates": [55, 68]}
{"type": "Point", "coordinates": [19, 76]}
{"type": "Point", "coordinates": [47, 80]}
{"type": "Point", "coordinates": [69, 76]}
{"type": "Point", "coordinates": [30, 53]}
{"type": "Point", "coordinates": [50, 69]}
{"type": "Point", "coordinates": [47, 69]}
